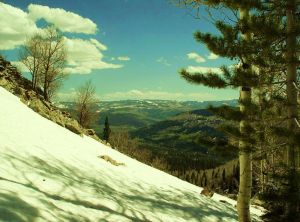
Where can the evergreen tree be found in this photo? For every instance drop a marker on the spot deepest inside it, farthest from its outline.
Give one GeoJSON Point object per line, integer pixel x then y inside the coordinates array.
{"type": "Point", "coordinates": [266, 44]}
{"type": "Point", "coordinates": [283, 188]}
{"type": "Point", "coordinates": [236, 42]}
{"type": "Point", "coordinates": [106, 130]}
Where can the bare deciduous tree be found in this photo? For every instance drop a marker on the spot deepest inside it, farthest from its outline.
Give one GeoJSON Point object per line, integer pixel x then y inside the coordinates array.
{"type": "Point", "coordinates": [45, 56]}
{"type": "Point", "coordinates": [54, 61]}
{"type": "Point", "coordinates": [30, 56]}
{"type": "Point", "coordinates": [86, 104]}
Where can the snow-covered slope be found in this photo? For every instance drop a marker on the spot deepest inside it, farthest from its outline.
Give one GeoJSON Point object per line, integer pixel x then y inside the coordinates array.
{"type": "Point", "coordinates": [47, 173]}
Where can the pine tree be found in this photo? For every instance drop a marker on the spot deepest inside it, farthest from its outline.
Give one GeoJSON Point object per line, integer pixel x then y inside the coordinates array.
{"type": "Point", "coordinates": [266, 44]}
{"type": "Point", "coordinates": [106, 130]}
{"type": "Point", "coordinates": [236, 42]}
{"type": "Point", "coordinates": [284, 197]}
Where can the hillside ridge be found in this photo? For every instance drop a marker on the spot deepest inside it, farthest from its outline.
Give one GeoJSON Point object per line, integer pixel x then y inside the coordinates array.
{"type": "Point", "coordinates": [13, 81]}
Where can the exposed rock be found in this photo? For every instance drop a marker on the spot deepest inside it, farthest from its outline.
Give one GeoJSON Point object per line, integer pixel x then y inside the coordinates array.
{"type": "Point", "coordinates": [112, 161]}
{"type": "Point", "coordinates": [72, 126]}
{"type": "Point", "coordinates": [232, 196]}
{"type": "Point", "coordinates": [256, 201]}
{"type": "Point", "coordinates": [107, 143]}
{"type": "Point", "coordinates": [19, 91]}
{"type": "Point", "coordinates": [61, 124]}
{"type": "Point", "coordinates": [207, 192]}
{"type": "Point", "coordinates": [66, 114]}
{"type": "Point", "coordinates": [45, 115]}
{"type": "Point", "coordinates": [90, 132]}
{"type": "Point", "coordinates": [224, 201]}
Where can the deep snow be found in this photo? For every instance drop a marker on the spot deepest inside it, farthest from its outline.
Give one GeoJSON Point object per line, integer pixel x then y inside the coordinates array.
{"type": "Point", "coordinates": [48, 173]}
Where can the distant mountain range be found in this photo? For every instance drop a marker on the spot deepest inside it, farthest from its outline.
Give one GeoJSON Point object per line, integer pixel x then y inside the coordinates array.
{"type": "Point", "coordinates": [134, 114]}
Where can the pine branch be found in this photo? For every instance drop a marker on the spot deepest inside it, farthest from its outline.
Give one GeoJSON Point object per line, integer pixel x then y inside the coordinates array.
{"type": "Point", "coordinates": [210, 79]}
{"type": "Point", "coordinates": [227, 112]}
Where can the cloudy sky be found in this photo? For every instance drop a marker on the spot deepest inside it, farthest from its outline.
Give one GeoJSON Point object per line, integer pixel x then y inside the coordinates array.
{"type": "Point", "coordinates": [130, 49]}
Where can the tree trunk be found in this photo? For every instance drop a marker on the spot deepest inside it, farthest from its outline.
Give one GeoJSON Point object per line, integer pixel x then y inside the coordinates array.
{"type": "Point", "coordinates": [261, 142]}
{"type": "Point", "coordinates": [245, 155]}
{"type": "Point", "coordinates": [291, 92]}
{"type": "Point", "coordinates": [46, 96]}
{"type": "Point", "coordinates": [291, 79]}
{"type": "Point", "coordinates": [245, 158]}
{"type": "Point", "coordinates": [33, 80]}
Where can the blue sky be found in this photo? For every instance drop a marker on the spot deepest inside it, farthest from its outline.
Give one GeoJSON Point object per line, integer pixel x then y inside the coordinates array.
{"type": "Point", "coordinates": [146, 42]}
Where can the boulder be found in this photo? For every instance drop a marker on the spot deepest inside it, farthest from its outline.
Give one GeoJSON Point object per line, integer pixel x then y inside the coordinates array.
{"type": "Point", "coordinates": [232, 196]}
{"type": "Point", "coordinates": [66, 114]}
{"type": "Point", "coordinates": [256, 201]}
{"type": "Point", "coordinates": [74, 127]}
{"type": "Point", "coordinates": [90, 132]}
{"type": "Point", "coordinates": [207, 192]}
{"type": "Point", "coordinates": [112, 161]}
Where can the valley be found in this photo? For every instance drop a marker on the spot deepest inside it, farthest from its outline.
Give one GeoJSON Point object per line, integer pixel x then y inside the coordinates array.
{"type": "Point", "coordinates": [178, 137]}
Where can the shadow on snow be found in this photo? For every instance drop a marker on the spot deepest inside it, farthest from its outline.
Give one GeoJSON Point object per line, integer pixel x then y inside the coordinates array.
{"type": "Point", "coordinates": [153, 199]}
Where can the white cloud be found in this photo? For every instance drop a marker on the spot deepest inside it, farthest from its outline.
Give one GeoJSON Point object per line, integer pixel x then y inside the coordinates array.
{"type": "Point", "coordinates": [64, 20]}
{"type": "Point", "coordinates": [212, 56]}
{"type": "Point", "coordinates": [123, 58]}
{"type": "Point", "coordinates": [15, 27]}
{"type": "Point", "coordinates": [99, 45]}
{"type": "Point", "coordinates": [66, 96]}
{"type": "Point", "coordinates": [146, 95]}
{"type": "Point", "coordinates": [196, 57]}
{"type": "Point", "coordinates": [203, 69]}
{"type": "Point", "coordinates": [139, 94]}
{"type": "Point", "coordinates": [20, 66]}
{"type": "Point", "coordinates": [84, 56]}
{"type": "Point", "coordinates": [163, 61]}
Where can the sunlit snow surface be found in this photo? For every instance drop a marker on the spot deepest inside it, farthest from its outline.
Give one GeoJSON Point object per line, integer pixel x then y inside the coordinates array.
{"type": "Point", "coordinates": [47, 173]}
